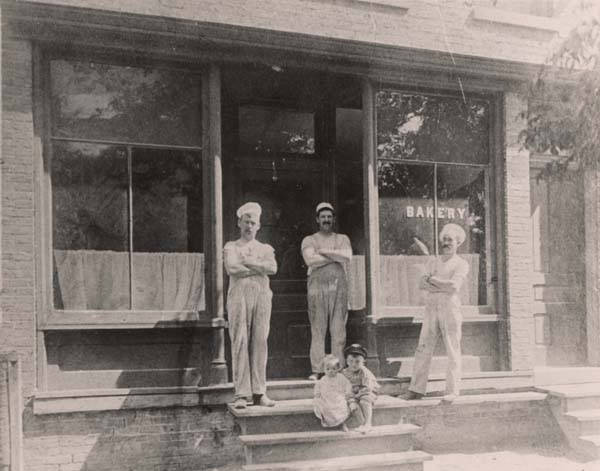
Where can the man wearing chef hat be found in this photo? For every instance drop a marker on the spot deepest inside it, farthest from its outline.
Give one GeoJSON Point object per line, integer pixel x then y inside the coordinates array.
{"type": "Point", "coordinates": [325, 253]}
{"type": "Point", "coordinates": [249, 263]}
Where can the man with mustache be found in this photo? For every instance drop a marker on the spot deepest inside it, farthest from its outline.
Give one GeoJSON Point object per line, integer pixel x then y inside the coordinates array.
{"type": "Point", "coordinates": [442, 282]}
{"type": "Point", "coordinates": [325, 254]}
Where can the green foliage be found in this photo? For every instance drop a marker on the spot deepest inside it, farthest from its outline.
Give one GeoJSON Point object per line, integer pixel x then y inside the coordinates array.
{"type": "Point", "coordinates": [564, 120]}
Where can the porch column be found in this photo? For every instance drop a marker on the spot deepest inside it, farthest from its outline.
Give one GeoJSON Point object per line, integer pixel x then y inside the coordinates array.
{"type": "Point", "coordinates": [592, 258]}
{"type": "Point", "coordinates": [518, 242]}
{"type": "Point", "coordinates": [213, 216]}
{"type": "Point", "coordinates": [371, 215]}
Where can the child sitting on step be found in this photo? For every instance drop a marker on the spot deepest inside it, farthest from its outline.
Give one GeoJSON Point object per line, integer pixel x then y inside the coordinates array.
{"type": "Point", "coordinates": [364, 384]}
{"type": "Point", "coordinates": [333, 402]}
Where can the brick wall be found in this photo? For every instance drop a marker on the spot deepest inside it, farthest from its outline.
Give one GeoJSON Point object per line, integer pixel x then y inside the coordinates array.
{"type": "Point", "coordinates": [198, 438]}
{"type": "Point", "coordinates": [440, 26]}
{"type": "Point", "coordinates": [17, 329]}
{"type": "Point", "coordinates": [519, 268]}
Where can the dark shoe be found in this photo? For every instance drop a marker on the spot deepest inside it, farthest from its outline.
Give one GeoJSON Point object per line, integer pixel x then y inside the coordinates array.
{"type": "Point", "coordinates": [412, 396]}
{"type": "Point", "coordinates": [262, 400]}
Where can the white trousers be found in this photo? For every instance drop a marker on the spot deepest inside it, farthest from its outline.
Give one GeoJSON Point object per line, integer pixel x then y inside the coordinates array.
{"type": "Point", "coordinates": [327, 307]}
{"type": "Point", "coordinates": [442, 317]}
{"type": "Point", "coordinates": [249, 311]}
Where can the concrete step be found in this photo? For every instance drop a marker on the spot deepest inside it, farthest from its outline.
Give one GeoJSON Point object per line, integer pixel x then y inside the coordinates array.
{"type": "Point", "coordinates": [403, 461]}
{"type": "Point", "coordinates": [575, 397]}
{"type": "Point", "coordinates": [403, 366]}
{"type": "Point", "coordinates": [296, 446]}
{"type": "Point", "coordinates": [586, 421]}
{"type": "Point", "coordinates": [297, 415]}
{"type": "Point", "coordinates": [589, 445]}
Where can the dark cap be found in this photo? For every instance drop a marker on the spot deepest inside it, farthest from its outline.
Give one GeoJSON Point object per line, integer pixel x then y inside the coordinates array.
{"type": "Point", "coordinates": [355, 349]}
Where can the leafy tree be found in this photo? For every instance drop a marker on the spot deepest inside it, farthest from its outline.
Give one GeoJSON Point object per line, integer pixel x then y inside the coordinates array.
{"type": "Point", "coordinates": [564, 119]}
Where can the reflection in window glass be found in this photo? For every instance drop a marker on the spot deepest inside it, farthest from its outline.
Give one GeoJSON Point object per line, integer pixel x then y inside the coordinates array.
{"type": "Point", "coordinates": [90, 236]}
{"type": "Point", "coordinates": [431, 128]}
{"type": "Point", "coordinates": [108, 102]}
{"type": "Point", "coordinates": [127, 219]}
{"type": "Point", "coordinates": [266, 130]}
{"type": "Point", "coordinates": [167, 263]}
{"type": "Point", "coordinates": [461, 200]}
{"type": "Point", "coordinates": [406, 230]}
{"type": "Point", "coordinates": [167, 200]}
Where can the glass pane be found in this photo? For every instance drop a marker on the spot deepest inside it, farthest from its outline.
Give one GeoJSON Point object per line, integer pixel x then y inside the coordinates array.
{"type": "Point", "coordinates": [90, 230]}
{"type": "Point", "coordinates": [265, 130]}
{"type": "Point", "coordinates": [168, 259]}
{"type": "Point", "coordinates": [431, 128]}
{"type": "Point", "coordinates": [109, 102]}
{"type": "Point", "coordinates": [348, 134]}
{"type": "Point", "coordinates": [406, 230]}
{"type": "Point", "coordinates": [462, 200]}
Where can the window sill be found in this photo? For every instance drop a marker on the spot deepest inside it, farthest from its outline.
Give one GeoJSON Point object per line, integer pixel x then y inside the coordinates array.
{"type": "Point", "coordinates": [496, 15]}
{"type": "Point", "coordinates": [96, 400]}
{"type": "Point", "coordinates": [82, 320]}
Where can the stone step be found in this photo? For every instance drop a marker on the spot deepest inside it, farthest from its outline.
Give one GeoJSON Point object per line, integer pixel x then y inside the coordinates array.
{"type": "Point", "coordinates": [586, 421]}
{"type": "Point", "coordinates": [589, 445]}
{"type": "Point", "coordinates": [403, 461]}
{"type": "Point", "coordinates": [575, 397]}
{"type": "Point", "coordinates": [297, 446]}
{"type": "Point", "coordinates": [297, 415]}
{"type": "Point", "coordinates": [403, 366]}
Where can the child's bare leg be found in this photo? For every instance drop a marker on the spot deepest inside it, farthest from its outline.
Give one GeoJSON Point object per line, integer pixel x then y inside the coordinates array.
{"type": "Point", "coordinates": [344, 427]}
{"type": "Point", "coordinates": [366, 407]}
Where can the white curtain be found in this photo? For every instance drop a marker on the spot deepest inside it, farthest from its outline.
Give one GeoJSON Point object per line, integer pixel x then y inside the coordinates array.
{"type": "Point", "coordinates": [99, 280]}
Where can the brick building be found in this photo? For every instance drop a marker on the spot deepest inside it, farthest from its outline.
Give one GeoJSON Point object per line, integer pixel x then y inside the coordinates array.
{"type": "Point", "coordinates": [131, 130]}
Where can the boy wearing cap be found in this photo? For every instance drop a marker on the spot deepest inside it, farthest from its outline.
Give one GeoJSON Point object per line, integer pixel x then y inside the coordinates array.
{"type": "Point", "coordinates": [364, 384]}
{"type": "Point", "coordinates": [442, 282]}
{"type": "Point", "coordinates": [325, 254]}
{"type": "Point", "coordinates": [249, 263]}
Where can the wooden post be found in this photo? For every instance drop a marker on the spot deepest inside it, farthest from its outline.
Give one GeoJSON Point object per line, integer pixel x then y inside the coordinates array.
{"type": "Point", "coordinates": [213, 215]}
{"type": "Point", "coordinates": [371, 214]}
{"type": "Point", "coordinates": [11, 457]}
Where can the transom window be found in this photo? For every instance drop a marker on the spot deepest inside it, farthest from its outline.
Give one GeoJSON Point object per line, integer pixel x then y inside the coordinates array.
{"type": "Point", "coordinates": [127, 195]}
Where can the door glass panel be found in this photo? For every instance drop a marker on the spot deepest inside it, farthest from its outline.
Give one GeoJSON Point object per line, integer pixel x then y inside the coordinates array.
{"type": "Point", "coordinates": [264, 130]}
{"type": "Point", "coordinates": [287, 213]}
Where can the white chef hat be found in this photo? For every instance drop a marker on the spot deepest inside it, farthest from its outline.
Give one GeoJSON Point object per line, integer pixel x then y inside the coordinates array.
{"type": "Point", "coordinates": [324, 205]}
{"type": "Point", "coordinates": [249, 208]}
{"type": "Point", "coordinates": [454, 229]}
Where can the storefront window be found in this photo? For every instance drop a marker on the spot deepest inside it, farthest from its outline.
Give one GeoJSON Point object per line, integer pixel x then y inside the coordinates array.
{"type": "Point", "coordinates": [432, 169]}
{"type": "Point", "coordinates": [126, 188]}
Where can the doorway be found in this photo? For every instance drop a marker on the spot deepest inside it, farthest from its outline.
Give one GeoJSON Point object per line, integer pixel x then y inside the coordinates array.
{"type": "Point", "coordinates": [279, 147]}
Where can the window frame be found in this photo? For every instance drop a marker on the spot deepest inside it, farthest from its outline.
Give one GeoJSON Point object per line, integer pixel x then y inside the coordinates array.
{"type": "Point", "coordinates": [488, 312]}
{"type": "Point", "coordinates": [49, 317]}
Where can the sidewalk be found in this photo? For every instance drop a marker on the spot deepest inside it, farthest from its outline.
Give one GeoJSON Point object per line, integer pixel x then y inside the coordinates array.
{"type": "Point", "coordinates": [522, 459]}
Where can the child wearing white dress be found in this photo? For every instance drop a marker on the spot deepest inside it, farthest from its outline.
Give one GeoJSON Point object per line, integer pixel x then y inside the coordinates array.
{"type": "Point", "coordinates": [333, 395]}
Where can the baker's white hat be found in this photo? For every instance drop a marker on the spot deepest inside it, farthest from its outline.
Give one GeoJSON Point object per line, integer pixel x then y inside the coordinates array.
{"type": "Point", "coordinates": [249, 208]}
{"type": "Point", "coordinates": [456, 230]}
{"type": "Point", "coordinates": [324, 205]}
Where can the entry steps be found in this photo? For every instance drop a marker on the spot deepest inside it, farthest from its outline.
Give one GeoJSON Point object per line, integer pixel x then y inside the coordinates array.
{"type": "Point", "coordinates": [576, 407]}
{"type": "Point", "coordinates": [290, 437]}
